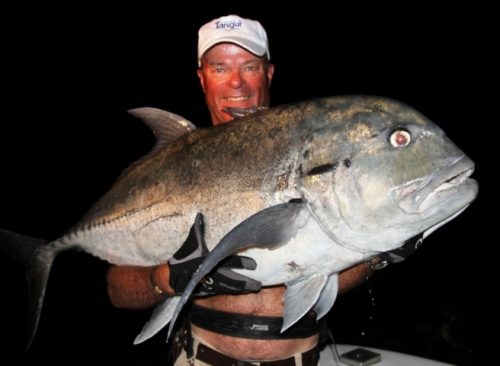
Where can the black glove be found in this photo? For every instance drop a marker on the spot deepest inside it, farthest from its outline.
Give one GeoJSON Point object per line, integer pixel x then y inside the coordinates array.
{"type": "Point", "coordinates": [221, 280]}
{"type": "Point", "coordinates": [399, 254]}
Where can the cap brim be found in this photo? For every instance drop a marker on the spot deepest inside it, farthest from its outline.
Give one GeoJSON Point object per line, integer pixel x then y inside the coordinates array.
{"type": "Point", "coordinates": [247, 44]}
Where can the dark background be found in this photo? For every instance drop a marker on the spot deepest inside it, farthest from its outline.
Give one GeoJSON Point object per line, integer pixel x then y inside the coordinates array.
{"type": "Point", "coordinates": [70, 75]}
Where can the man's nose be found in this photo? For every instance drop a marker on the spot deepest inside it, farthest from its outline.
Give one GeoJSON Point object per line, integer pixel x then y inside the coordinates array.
{"type": "Point", "coordinates": [236, 80]}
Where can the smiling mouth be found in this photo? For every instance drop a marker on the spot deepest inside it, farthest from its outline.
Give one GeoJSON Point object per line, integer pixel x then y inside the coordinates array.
{"type": "Point", "coordinates": [236, 99]}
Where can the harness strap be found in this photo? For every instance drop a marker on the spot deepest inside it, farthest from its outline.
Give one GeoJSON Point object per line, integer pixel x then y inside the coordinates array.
{"type": "Point", "coordinates": [213, 357]}
{"type": "Point", "coordinates": [251, 326]}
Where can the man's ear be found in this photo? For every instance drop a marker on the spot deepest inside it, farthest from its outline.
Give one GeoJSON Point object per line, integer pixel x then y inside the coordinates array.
{"type": "Point", "coordinates": [270, 73]}
{"type": "Point", "coordinates": [202, 79]}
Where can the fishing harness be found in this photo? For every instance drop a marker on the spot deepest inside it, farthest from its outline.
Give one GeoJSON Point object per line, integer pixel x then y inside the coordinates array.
{"type": "Point", "coordinates": [245, 326]}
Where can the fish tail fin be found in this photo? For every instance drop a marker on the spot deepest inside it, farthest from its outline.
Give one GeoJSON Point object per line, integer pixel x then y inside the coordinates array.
{"type": "Point", "coordinates": [37, 257]}
{"type": "Point", "coordinates": [18, 246]}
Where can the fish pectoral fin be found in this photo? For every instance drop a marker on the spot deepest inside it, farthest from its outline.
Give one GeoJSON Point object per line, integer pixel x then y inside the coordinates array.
{"type": "Point", "coordinates": [166, 126]}
{"type": "Point", "coordinates": [300, 297]}
{"type": "Point", "coordinates": [327, 296]}
{"type": "Point", "coordinates": [269, 228]}
{"type": "Point", "coordinates": [162, 314]}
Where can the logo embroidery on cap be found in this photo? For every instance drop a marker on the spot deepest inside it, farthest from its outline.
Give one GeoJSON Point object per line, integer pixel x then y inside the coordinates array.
{"type": "Point", "coordinates": [228, 24]}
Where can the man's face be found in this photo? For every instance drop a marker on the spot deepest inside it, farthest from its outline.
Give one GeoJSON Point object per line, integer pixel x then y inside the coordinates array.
{"type": "Point", "coordinates": [230, 76]}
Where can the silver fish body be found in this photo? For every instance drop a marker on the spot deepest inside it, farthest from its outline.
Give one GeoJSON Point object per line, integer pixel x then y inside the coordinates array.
{"type": "Point", "coordinates": [233, 171]}
{"type": "Point", "coordinates": [305, 189]}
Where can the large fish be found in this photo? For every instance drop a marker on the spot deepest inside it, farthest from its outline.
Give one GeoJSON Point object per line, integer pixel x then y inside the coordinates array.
{"type": "Point", "coordinates": [306, 190]}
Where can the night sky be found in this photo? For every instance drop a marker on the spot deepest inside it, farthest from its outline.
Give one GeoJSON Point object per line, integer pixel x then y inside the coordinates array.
{"type": "Point", "coordinates": [67, 82]}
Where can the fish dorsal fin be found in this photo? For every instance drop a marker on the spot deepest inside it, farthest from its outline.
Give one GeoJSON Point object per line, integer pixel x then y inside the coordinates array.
{"type": "Point", "coordinates": [166, 126]}
{"type": "Point", "coordinates": [300, 297]}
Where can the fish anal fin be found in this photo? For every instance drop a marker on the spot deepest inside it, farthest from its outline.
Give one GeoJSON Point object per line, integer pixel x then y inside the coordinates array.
{"type": "Point", "coordinates": [162, 314]}
{"type": "Point", "coordinates": [327, 296]}
{"type": "Point", "coordinates": [300, 297]}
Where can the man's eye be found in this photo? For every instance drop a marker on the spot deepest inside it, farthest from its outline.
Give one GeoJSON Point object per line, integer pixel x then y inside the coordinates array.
{"type": "Point", "coordinates": [252, 68]}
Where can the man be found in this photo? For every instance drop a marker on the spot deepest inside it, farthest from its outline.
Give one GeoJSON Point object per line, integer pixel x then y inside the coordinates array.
{"type": "Point", "coordinates": [234, 72]}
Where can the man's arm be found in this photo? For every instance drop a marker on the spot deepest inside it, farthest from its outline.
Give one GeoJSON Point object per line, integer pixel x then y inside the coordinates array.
{"type": "Point", "coordinates": [356, 275]}
{"type": "Point", "coordinates": [138, 287]}
{"type": "Point", "coordinates": [142, 287]}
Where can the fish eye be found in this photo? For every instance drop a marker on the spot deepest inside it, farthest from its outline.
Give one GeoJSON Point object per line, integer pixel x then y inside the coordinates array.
{"type": "Point", "coordinates": [400, 137]}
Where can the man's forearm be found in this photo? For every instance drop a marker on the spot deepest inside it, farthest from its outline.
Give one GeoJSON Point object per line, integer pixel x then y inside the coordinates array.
{"type": "Point", "coordinates": [354, 276]}
{"type": "Point", "coordinates": [132, 287]}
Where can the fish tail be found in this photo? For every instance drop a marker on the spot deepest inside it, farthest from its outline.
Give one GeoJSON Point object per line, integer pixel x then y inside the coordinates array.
{"type": "Point", "coordinates": [37, 257]}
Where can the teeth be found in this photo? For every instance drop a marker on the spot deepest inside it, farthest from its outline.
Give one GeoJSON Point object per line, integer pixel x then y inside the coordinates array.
{"type": "Point", "coordinates": [237, 99]}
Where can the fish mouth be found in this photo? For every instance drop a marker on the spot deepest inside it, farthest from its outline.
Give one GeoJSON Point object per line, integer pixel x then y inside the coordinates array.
{"type": "Point", "coordinates": [448, 185]}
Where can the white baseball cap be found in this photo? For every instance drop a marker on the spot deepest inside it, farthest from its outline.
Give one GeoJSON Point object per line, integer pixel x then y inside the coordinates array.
{"type": "Point", "coordinates": [246, 33]}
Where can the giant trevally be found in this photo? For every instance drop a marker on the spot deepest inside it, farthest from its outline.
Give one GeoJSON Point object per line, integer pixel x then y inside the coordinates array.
{"type": "Point", "coordinates": [306, 190]}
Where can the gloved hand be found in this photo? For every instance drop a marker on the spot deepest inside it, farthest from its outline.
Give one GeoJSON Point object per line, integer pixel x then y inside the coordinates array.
{"type": "Point", "coordinates": [398, 254]}
{"type": "Point", "coordinates": [221, 280]}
